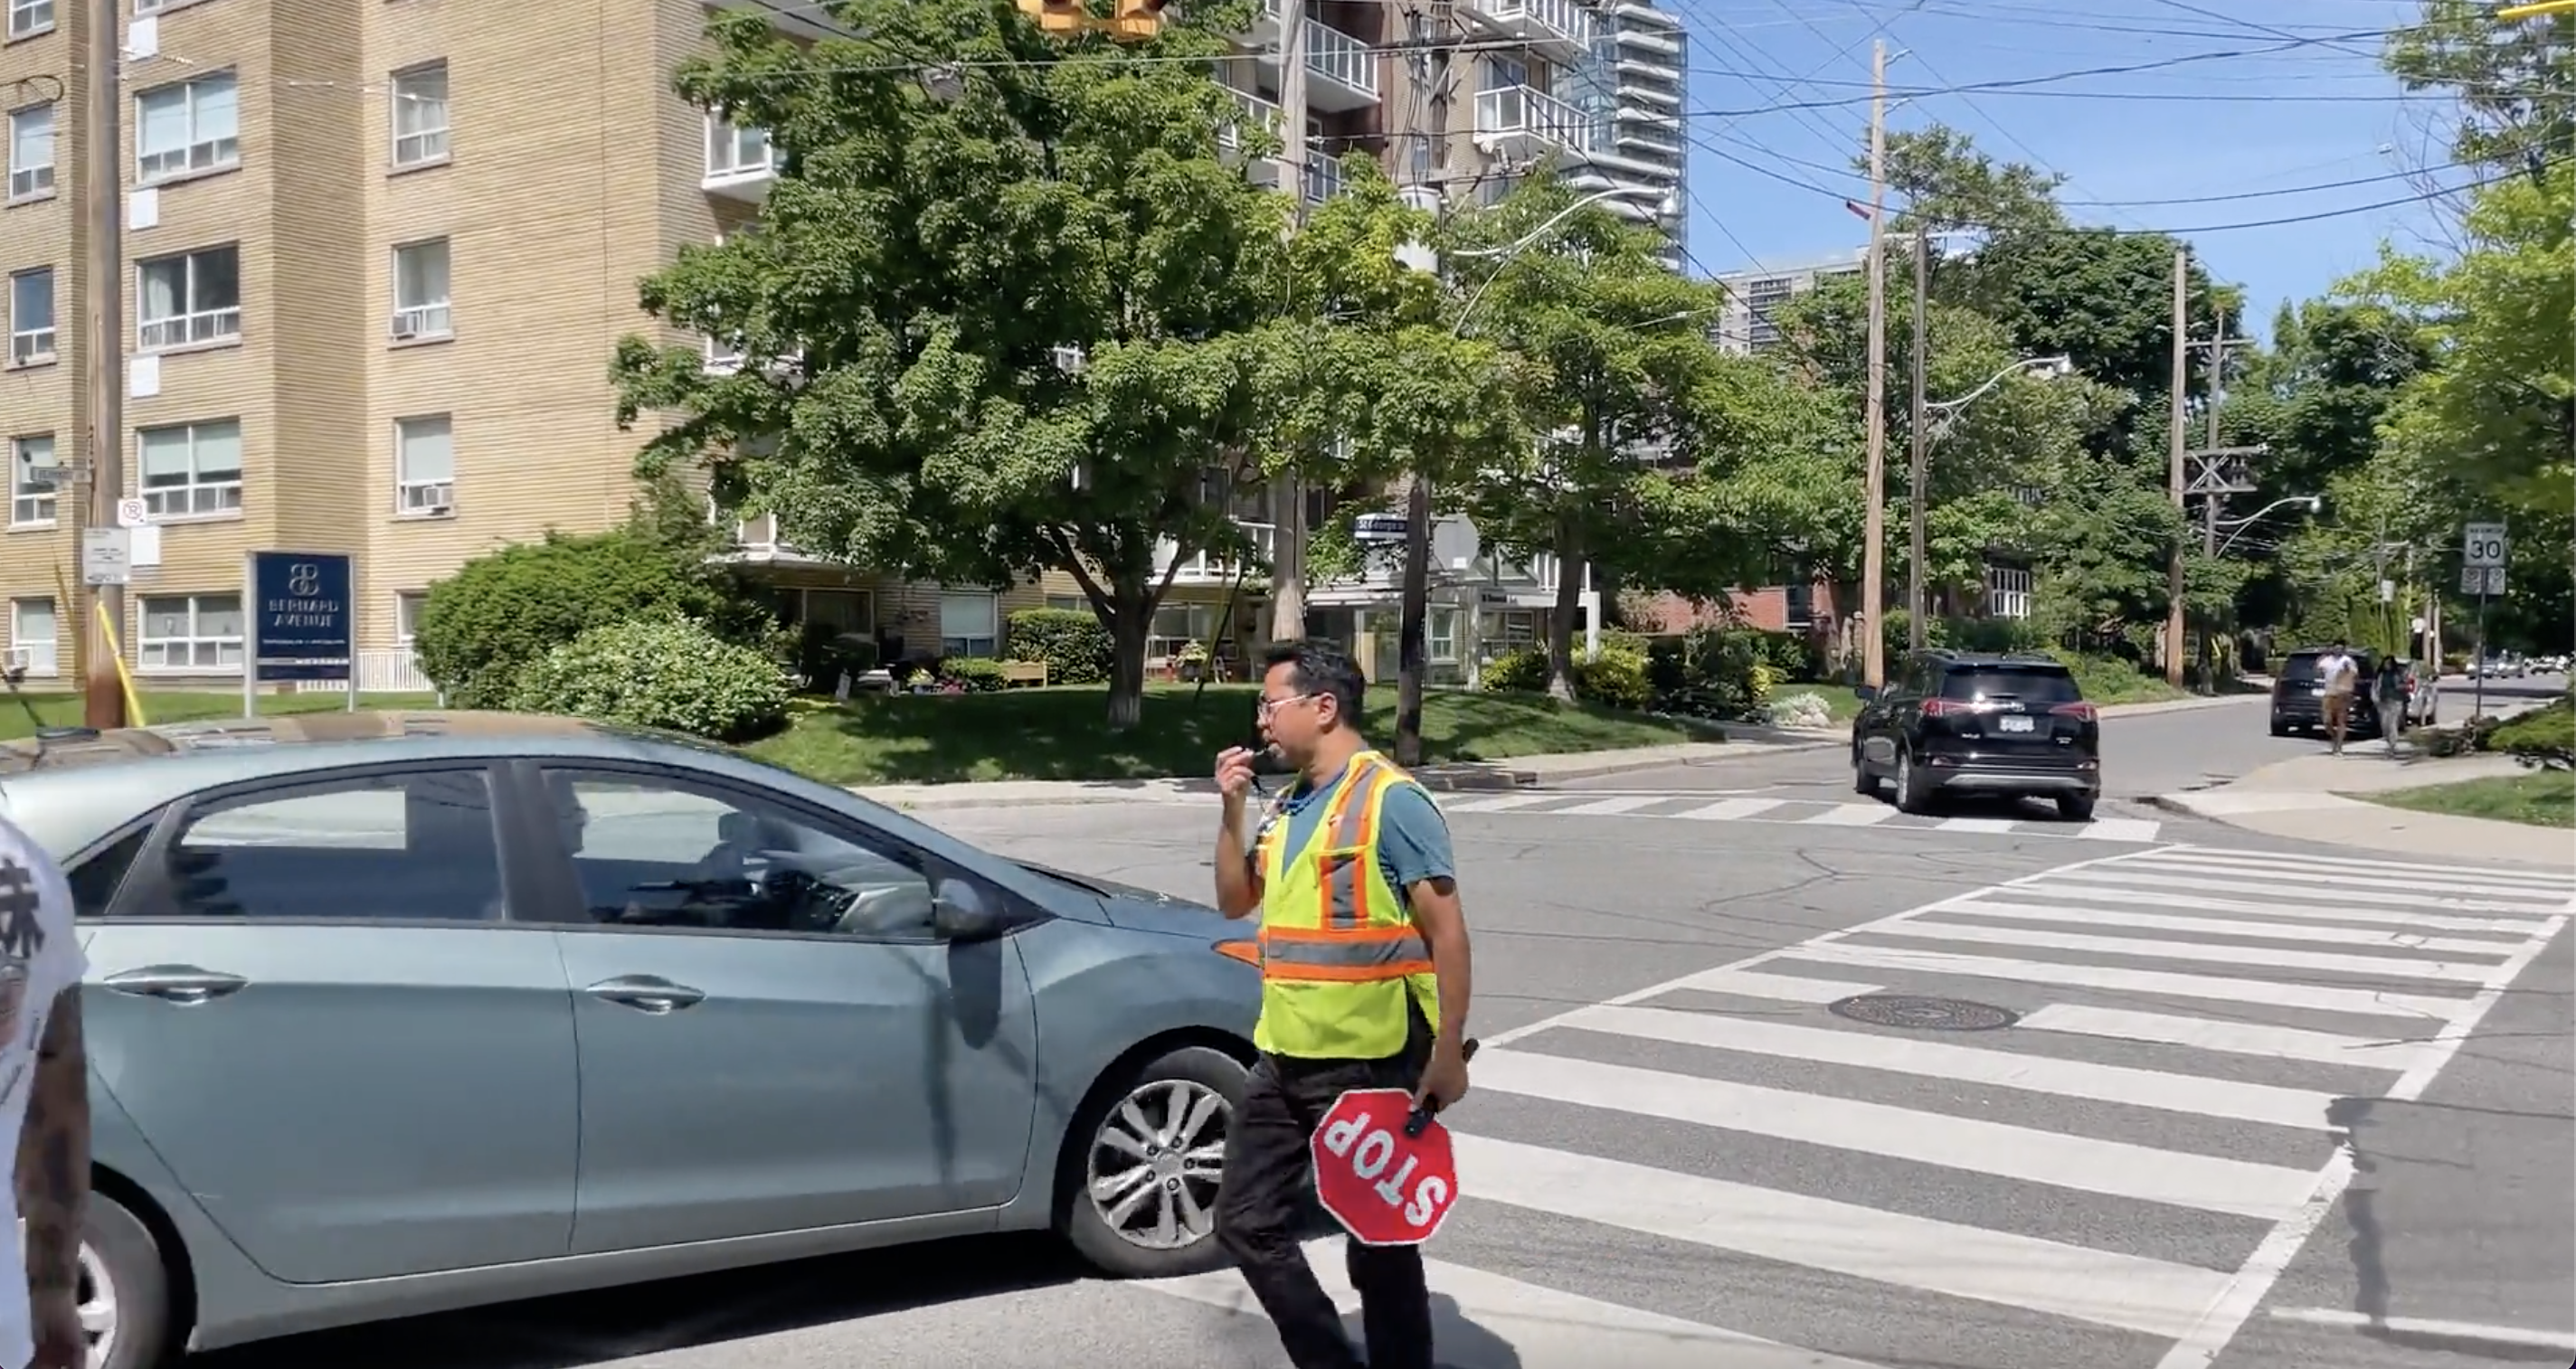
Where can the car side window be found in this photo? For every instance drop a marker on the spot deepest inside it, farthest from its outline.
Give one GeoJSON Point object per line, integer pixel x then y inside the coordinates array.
{"type": "Point", "coordinates": [382, 847]}
{"type": "Point", "coordinates": [664, 851]}
{"type": "Point", "coordinates": [95, 881]}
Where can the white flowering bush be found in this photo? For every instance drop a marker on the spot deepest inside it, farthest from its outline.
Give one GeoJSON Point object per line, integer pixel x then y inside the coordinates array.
{"type": "Point", "coordinates": [666, 672]}
{"type": "Point", "coordinates": [1802, 710]}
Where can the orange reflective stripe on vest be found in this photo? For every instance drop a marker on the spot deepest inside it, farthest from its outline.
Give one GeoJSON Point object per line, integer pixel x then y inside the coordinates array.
{"type": "Point", "coordinates": [1353, 940]}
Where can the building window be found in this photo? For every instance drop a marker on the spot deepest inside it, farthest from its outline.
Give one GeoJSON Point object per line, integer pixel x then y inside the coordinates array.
{"type": "Point", "coordinates": [31, 150]}
{"type": "Point", "coordinates": [32, 477]}
{"type": "Point", "coordinates": [2008, 591]}
{"type": "Point", "coordinates": [1070, 603]}
{"type": "Point", "coordinates": [424, 465]}
{"type": "Point", "coordinates": [1179, 625]}
{"type": "Point", "coordinates": [27, 18]}
{"type": "Point", "coordinates": [33, 636]}
{"type": "Point", "coordinates": [420, 115]}
{"type": "Point", "coordinates": [1797, 605]}
{"type": "Point", "coordinates": [1440, 635]}
{"type": "Point", "coordinates": [191, 298]}
{"type": "Point", "coordinates": [31, 317]}
{"type": "Point", "coordinates": [969, 623]}
{"type": "Point", "coordinates": [420, 290]}
{"type": "Point", "coordinates": [188, 127]}
{"type": "Point", "coordinates": [735, 151]}
{"type": "Point", "coordinates": [841, 610]}
{"type": "Point", "coordinates": [407, 607]}
{"type": "Point", "coordinates": [192, 469]}
{"type": "Point", "coordinates": [191, 632]}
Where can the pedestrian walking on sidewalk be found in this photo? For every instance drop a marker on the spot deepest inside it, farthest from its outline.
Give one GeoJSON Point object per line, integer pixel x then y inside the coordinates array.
{"type": "Point", "coordinates": [44, 1101]}
{"type": "Point", "coordinates": [2342, 675]}
{"type": "Point", "coordinates": [1364, 984]}
{"type": "Point", "coordinates": [2388, 699]}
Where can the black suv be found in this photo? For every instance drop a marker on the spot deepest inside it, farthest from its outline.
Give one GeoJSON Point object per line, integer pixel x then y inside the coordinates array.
{"type": "Point", "coordinates": [1972, 723]}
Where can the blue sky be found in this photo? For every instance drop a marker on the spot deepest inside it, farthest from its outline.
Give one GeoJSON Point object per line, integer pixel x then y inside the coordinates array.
{"type": "Point", "coordinates": [2213, 125]}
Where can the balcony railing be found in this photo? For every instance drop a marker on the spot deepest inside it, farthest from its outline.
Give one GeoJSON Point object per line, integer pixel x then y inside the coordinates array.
{"type": "Point", "coordinates": [1515, 119]}
{"type": "Point", "coordinates": [1207, 567]}
{"type": "Point", "coordinates": [379, 672]}
{"type": "Point", "coordinates": [1341, 59]}
{"type": "Point", "coordinates": [1257, 113]}
{"type": "Point", "coordinates": [1323, 177]}
{"type": "Point", "coordinates": [1561, 24]}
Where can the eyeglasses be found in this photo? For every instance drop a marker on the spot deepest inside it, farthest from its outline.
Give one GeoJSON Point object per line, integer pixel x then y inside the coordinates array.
{"type": "Point", "coordinates": [1269, 706]}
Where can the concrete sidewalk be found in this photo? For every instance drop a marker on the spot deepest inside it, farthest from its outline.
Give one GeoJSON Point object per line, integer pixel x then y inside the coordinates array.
{"type": "Point", "coordinates": [1743, 741]}
{"type": "Point", "coordinates": [2305, 799]}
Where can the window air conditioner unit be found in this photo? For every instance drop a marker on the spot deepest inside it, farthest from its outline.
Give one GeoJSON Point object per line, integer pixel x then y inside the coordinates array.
{"type": "Point", "coordinates": [402, 333]}
{"type": "Point", "coordinates": [17, 660]}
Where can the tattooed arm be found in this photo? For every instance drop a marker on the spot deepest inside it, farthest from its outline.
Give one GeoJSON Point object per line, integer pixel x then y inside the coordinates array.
{"type": "Point", "coordinates": [53, 1156]}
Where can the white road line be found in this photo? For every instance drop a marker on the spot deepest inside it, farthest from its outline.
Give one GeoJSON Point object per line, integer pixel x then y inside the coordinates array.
{"type": "Point", "coordinates": [1546, 1328]}
{"type": "Point", "coordinates": [1781, 988]}
{"type": "Point", "coordinates": [1497, 803]}
{"type": "Point", "coordinates": [2280, 1107]}
{"type": "Point", "coordinates": [2479, 1332]}
{"type": "Point", "coordinates": [2213, 1034]}
{"type": "Point", "coordinates": [2545, 880]}
{"type": "Point", "coordinates": [1621, 803]}
{"type": "Point", "coordinates": [2162, 983]}
{"type": "Point", "coordinates": [2151, 1296]}
{"type": "Point", "coordinates": [2226, 1314]}
{"type": "Point", "coordinates": [1731, 809]}
{"type": "Point", "coordinates": [2150, 881]}
{"type": "Point", "coordinates": [2330, 885]}
{"type": "Point", "coordinates": [2211, 926]}
{"type": "Point", "coordinates": [2432, 922]}
{"type": "Point", "coordinates": [1977, 824]}
{"type": "Point", "coordinates": [1851, 815]}
{"type": "Point", "coordinates": [2324, 962]}
{"type": "Point", "coordinates": [2081, 1164]}
{"type": "Point", "coordinates": [2120, 829]}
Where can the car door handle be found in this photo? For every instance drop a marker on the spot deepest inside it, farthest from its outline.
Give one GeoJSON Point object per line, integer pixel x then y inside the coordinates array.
{"type": "Point", "coordinates": [647, 993]}
{"type": "Point", "coordinates": [185, 985]}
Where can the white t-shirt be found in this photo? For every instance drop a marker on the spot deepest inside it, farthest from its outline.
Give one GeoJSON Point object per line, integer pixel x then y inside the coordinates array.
{"type": "Point", "coordinates": [40, 957]}
{"type": "Point", "coordinates": [2338, 671]}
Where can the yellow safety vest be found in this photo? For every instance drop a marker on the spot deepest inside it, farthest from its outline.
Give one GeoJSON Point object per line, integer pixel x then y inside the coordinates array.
{"type": "Point", "coordinates": [1339, 951]}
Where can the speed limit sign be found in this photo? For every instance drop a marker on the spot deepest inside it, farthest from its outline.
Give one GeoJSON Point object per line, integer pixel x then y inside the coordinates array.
{"type": "Point", "coordinates": [2482, 545]}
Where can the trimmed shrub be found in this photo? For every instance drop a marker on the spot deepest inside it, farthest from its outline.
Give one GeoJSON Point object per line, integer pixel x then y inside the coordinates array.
{"type": "Point", "coordinates": [1711, 672]}
{"type": "Point", "coordinates": [1520, 671]}
{"type": "Point", "coordinates": [500, 613]}
{"type": "Point", "coordinates": [1072, 643]}
{"type": "Point", "coordinates": [974, 674]}
{"type": "Point", "coordinates": [1614, 678]}
{"type": "Point", "coordinates": [667, 672]}
{"type": "Point", "coordinates": [2543, 739]}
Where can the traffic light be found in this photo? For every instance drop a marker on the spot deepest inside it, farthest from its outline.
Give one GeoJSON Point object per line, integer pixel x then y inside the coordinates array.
{"type": "Point", "coordinates": [1137, 19]}
{"type": "Point", "coordinates": [1057, 16]}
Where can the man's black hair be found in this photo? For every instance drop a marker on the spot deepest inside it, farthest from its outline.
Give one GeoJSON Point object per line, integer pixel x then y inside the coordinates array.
{"type": "Point", "coordinates": [1320, 667]}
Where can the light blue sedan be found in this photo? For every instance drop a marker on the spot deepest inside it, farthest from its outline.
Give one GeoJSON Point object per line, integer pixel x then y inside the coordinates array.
{"type": "Point", "coordinates": [396, 1012]}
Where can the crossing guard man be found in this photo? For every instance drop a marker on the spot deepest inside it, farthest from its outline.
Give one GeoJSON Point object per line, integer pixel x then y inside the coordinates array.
{"type": "Point", "coordinates": [1364, 985]}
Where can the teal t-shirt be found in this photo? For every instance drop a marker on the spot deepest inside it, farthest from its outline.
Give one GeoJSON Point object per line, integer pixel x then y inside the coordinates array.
{"type": "Point", "coordinates": [1412, 842]}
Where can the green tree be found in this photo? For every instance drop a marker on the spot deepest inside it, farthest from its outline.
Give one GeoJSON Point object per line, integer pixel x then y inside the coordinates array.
{"type": "Point", "coordinates": [2511, 79]}
{"type": "Point", "coordinates": [1015, 290]}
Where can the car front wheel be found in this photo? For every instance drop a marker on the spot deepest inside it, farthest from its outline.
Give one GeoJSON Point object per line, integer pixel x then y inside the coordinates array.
{"type": "Point", "coordinates": [1910, 797]}
{"type": "Point", "coordinates": [124, 1289]}
{"type": "Point", "coordinates": [1145, 1161]}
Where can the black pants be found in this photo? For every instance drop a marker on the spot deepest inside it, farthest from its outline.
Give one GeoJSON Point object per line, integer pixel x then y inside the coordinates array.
{"type": "Point", "coordinates": [1265, 1204]}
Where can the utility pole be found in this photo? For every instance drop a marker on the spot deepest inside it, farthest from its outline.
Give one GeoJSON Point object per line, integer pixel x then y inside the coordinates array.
{"type": "Point", "coordinates": [1413, 654]}
{"type": "Point", "coordinates": [102, 690]}
{"type": "Point", "coordinates": [1873, 568]}
{"type": "Point", "coordinates": [1919, 550]}
{"type": "Point", "coordinates": [2213, 473]}
{"type": "Point", "coordinates": [1288, 488]}
{"type": "Point", "coordinates": [2175, 442]}
{"type": "Point", "coordinates": [2209, 502]}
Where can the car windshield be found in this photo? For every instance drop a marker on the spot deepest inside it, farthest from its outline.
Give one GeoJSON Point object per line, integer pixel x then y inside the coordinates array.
{"type": "Point", "coordinates": [2046, 684]}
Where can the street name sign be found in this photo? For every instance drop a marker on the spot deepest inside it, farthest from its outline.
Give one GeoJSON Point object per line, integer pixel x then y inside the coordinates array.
{"type": "Point", "coordinates": [1385, 1187]}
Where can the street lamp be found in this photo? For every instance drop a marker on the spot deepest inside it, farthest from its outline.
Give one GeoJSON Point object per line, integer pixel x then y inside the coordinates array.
{"type": "Point", "coordinates": [1937, 420]}
{"type": "Point", "coordinates": [2313, 503]}
{"type": "Point", "coordinates": [1666, 205]}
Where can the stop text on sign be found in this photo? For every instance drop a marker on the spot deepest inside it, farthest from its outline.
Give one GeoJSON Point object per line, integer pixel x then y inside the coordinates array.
{"type": "Point", "coordinates": [1384, 1187]}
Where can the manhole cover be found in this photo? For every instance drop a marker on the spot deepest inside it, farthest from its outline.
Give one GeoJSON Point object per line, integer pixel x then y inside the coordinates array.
{"type": "Point", "coordinates": [1923, 1014]}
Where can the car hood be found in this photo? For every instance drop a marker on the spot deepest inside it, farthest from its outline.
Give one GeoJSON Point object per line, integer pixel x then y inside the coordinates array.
{"type": "Point", "coordinates": [1145, 910]}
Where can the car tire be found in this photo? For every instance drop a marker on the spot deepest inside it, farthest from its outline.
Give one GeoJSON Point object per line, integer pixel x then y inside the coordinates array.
{"type": "Point", "coordinates": [124, 1288]}
{"type": "Point", "coordinates": [1864, 783]}
{"type": "Point", "coordinates": [1910, 797]}
{"type": "Point", "coordinates": [1191, 1073]}
{"type": "Point", "coordinates": [2075, 807]}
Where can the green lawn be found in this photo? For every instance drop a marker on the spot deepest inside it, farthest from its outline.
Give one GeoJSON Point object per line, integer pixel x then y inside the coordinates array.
{"type": "Point", "coordinates": [2541, 798]}
{"type": "Point", "coordinates": [176, 706]}
{"type": "Point", "coordinates": [1059, 734]}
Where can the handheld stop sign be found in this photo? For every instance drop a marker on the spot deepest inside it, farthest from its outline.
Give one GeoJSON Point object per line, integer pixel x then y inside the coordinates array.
{"type": "Point", "coordinates": [1384, 1168]}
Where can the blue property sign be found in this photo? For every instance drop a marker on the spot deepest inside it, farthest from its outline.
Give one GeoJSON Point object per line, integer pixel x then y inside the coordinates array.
{"type": "Point", "coordinates": [303, 623]}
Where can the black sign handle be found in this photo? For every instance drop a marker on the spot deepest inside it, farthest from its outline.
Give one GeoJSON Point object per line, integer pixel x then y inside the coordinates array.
{"type": "Point", "coordinates": [1419, 1120]}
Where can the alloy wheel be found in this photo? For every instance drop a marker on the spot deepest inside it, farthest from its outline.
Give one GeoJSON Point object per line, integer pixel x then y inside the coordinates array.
{"type": "Point", "coordinates": [1156, 1161]}
{"type": "Point", "coordinates": [97, 1303]}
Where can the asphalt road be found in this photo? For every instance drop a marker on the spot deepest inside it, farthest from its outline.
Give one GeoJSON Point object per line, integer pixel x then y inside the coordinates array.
{"type": "Point", "coordinates": [2143, 1169]}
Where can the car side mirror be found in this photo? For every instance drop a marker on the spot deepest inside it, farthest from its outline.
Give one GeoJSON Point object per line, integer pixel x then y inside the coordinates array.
{"type": "Point", "coordinates": [1865, 693]}
{"type": "Point", "coordinates": [959, 911]}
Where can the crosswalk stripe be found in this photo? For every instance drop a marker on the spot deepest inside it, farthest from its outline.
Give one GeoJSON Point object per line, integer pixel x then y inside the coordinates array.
{"type": "Point", "coordinates": [1622, 803]}
{"type": "Point", "coordinates": [2120, 829]}
{"type": "Point", "coordinates": [2148, 879]}
{"type": "Point", "coordinates": [2215, 1034]}
{"type": "Point", "coordinates": [2316, 998]}
{"type": "Point", "coordinates": [1729, 809]}
{"type": "Point", "coordinates": [2081, 1164]}
{"type": "Point", "coordinates": [2544, 880]}
{"type": "Point", "coordinates": [2330, 962]}
{"type": "Point", "coordinates": [2156, 1297]}
{"type": "Point", "coordinates": [2333, 885]}
{"type": "Point", "coordinates": [2394, 917]}
{"type": "Point", "coordinates": [1545, 1327]}
{"type": "Point", "coordinates": [1977, 824]}
{"type": "Point", "coordinates": [1851, 815]}
{"type": "Point", "coordinates": [1782, 988]}
{"type": "Point", "coordinates": [2264, 1103]}
{"type": "Point", "coordinates": [1496, 803]}
{"type": "Point", "coordinates": [2204, 926]}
